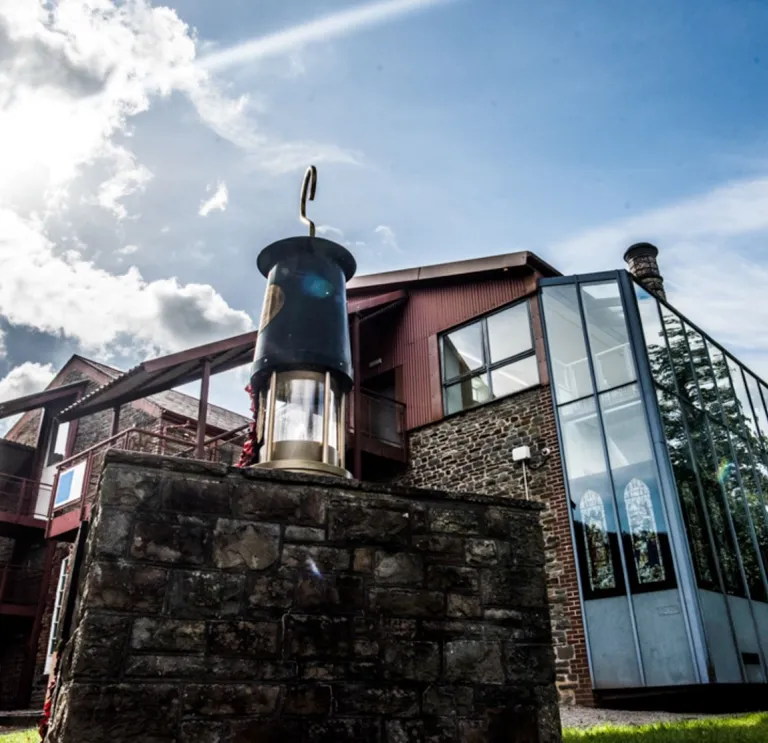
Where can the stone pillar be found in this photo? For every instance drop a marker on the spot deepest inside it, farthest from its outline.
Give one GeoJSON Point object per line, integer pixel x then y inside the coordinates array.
{"type": "Point", "coordinates": [641, 262]}
{"type": "Point", "coordinates": [222, 606]}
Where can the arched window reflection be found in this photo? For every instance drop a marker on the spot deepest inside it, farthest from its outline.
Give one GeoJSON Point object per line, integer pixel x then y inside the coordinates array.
{"type": "Point", "coordinates": [646, 547]}
{"type": "Point", "coordinates": [597, 544]}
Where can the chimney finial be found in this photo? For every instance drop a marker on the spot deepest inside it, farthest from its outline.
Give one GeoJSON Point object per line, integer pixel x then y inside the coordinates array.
{"type": "Point", "coordinates": [642, 264]}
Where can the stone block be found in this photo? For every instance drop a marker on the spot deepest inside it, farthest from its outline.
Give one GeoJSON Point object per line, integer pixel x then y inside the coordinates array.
{"type": "Point", "coordinates": [529, 663]}
{"type": "Point", "coordinates": [453, 578]}
{"type": "Point", "coordinates": [413, 661]}
{"type": "Point", "coordinates": [273, 590]}
{"type": "Point", "coordinates": [421, 731]}
{"type": "Point", "coordinates": [327, 671]}
{"type": "Point", "coordinates": [206, 594]}
{"type": "Point", "coordinates": [343, 731]}
{"type": "Point", "coordinates": [355, 524]}
{"type": "Point", "coordinates": [399, 568]}
{"type": "Point", "coordinates": [317, 637]}
{"type": "Point", "coordinates": [265, 730]}
{"type": "Point", "coordinates": [521, 589]}
{"type": "Point", "coordinates": [403, 603]}
{"type": "Point", "coordinates": [166, 666]}
{"type": "Point", "coordinates": [477, 661]}
{"type": "Point", "coordinates": [219, 700]}
{"type": "Point", "coordinates": [182, 543]}
{"type": "Point", "coordinates": [460, 606]}
{"type": "Point", "coordinates": [314, 558]}
{"type": "Point", "coordinates": [308, 699]}
{"type": "Point", "coordinates": [448, 701]}
{"type": "Point", "coordinates": [131, 488]}
{"type": "Point", "coordinates": [455, 520]}
{"type": "Point", "coordinates": [445, 545]}
{"type": "Point", "coordinates": [123, 587]}
{"type": "Point", "coordinates": [336, 594]}
{"type": "Point", "coordinates": [99, 644]}
{"type": "Point", "coordinates": [362, 560]}
{"type": "Point", "coordinates": [243, 544]}
{"type": "Point", "coordinates": [304, 534]}
{"type": "Point", "coordinates": [482, 552]}
{"type": "Point", "coordinates": [364, 699]}
{"type": "Point", "coordinates": [205, 732]}
{"type": "Point", "coordinates": [279, 502]}
{"type": "Point", "coordinates": [243, 639]}
{"type": "Point", "coordinates": [198, 495]}
{"type": "Point", "coordinates": [112, 535]}
{"type": "Point", "coordinates": [168, 635]}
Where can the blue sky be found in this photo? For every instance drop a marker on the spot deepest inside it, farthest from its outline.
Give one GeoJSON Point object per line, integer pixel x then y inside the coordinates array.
{"type": "Point", "coordinates": [441, 130]}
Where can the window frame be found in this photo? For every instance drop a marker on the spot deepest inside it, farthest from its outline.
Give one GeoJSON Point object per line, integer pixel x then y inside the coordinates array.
{"type": "Point", "coordinates": [487, 367]}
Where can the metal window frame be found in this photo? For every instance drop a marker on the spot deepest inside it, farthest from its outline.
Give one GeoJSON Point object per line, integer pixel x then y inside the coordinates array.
{"type": "Point", "coordinates": [488, 366]}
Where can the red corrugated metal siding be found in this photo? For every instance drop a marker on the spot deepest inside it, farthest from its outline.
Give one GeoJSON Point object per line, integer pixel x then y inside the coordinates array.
{"type": "Point", "coordinates": [404, 337]}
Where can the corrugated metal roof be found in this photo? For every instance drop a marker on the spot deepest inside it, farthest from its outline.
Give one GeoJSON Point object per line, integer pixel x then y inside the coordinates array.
{"type": "Point", "coordinates": [163, 374]}
{"type": "Point", "coordinates": [40, 399]}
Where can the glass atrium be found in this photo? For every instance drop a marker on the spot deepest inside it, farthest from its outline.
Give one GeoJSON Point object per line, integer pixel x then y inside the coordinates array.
{"type": "Point", "coordinates": [664, 437]}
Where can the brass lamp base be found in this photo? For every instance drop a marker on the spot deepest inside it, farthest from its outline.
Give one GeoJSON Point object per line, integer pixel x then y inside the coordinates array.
{"type": "Point", "coordinates": [306, 466]}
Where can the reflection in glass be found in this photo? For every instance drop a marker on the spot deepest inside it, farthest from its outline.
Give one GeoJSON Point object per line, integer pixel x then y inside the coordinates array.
{"type": "Point", "coordinates": [596, 542]}
{"type": "Point", "coordinates": [509, 333]}
{"type": "Point", "coordinates": [565, 337]}
{"type": "Point", "coordinates": [728, 476]}
{"type": "Point", "coordinates": [467, 393]}
{"type": "Point", "coordinates": [688, 490]}
{"type": "Point", "coordinates": [463, 351]}
{"type": "Point", "coordinates": [608, 335]}
{"type": "Point", "coordinates": [634, 477]}
{"type": "Point", "coordinates": [729, 405]}
{"type": "Point", "coordinates": [591, 500]}
{"type": "Point", "coordinates": [299, 409]}
{"type": "Point", "coordinates": [713, 499]}
{"type": "Point", "coordinates": [757, 404]}
{"type": "Point", "coordinates": [744, 415]}
{"type": "Point", "coordinates": [678, 354]}
{"type": "Point", "coordinates": [706, 395]}
{"type": "Point", "coordinates": [515, 376]}
{"type": "Point", "coordinates": [658, 357]}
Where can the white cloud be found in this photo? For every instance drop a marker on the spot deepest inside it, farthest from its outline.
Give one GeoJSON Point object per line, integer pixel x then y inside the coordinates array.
{"type": "Point", "coordinates": [25, 379]}
{"type": "Point", "coordinates": [326, 229]}
{"type": "Point", "coordinates": [338, 24]}
{"type": "Point", "coordinates": [712, 256]}
{"type": "Point", "coordinates": [130, 177]}
{"type": "Point", "coordinates": [388, 237]}
{"type": "Point", "coordinates": [128, 249]}
{"type": "Point", "coordinates": [218, 201]}
{"type": "Point", "coordinates": [62, 293]}
{"type": "Point", "coordinates": [3, 350]}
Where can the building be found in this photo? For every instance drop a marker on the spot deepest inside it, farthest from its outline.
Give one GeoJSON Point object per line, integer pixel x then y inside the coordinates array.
{"type": "Point", "coordinates": [644, 438]}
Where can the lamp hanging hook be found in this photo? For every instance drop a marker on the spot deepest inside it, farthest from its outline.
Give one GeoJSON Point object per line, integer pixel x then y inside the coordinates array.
{"type": "Point", "coordinates": [308, 188]}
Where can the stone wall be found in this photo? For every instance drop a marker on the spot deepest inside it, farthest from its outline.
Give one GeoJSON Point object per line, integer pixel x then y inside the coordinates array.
{"type": "Point", "coordinates": [225, 605]}
{"type": "Point", "coordinates": [14, 639]}
{"type": "Point", "coordinates": [473, 451]}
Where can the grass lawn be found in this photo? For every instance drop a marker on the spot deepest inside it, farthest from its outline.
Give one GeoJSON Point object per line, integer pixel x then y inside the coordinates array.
{"type": "Point", "coordinates": [25, 736]}
{"type": "Point", "coordinates": [748, 729]}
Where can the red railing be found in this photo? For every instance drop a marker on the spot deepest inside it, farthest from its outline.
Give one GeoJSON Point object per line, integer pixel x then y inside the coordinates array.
{"type": "Point", "coordinates": [224, 447]}
{"type": "Point", "coordinates": [382, 418]}
{"type": "Point", "coordinates": [19, 496]}
{"type": "Point", "coordinates": [19, 585]}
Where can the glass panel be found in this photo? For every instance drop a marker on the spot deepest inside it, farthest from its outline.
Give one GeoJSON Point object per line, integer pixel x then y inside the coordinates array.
{"type": "Point", "coordinates": [298, 409]}
{"type": "Point", "coordinates": [516, 376]}
{"type": "Point", "coordinates": [467, 393]}
{"type": "Point", "coordinates": [658, 356]}
{"type": "Point", "coordinates": [678, 353]}
{"type": "Point", "coordinates": [745, 407]}
{"type": "Point", "coordinates": [713, 499]}
{"type": "Point", "coordinates": [728, 402]}
{"type": "Point", "coordinates": [646, 540]}
{"type": "Point", "coordinates": [706, 397]}
{"type": "Point", "coordinates": [751, 481]}
{"type": "Point", "coordinates": [565, 339]}
{"type": "Point", "coordinates": [688, 491]}
{"type": "Point", "coordinates": [608, 337]}
{"type": "Point", "coordinates": [591, 500]}
{"type": "Point", "coordinates": [727, 473]}
{"type": "Point", "coordinates": [463, 351]}
{"type": "Point", "coordinates": [509, 333]}
{"type": "Point", "coordinates": [757, 404]}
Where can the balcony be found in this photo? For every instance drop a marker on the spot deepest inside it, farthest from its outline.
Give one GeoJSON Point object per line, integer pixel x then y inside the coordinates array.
{"type": "Point", "coordinates": [77, 479]}
{"type": "Point", "coordinates": [23, 503]}
{"type": "Point", "coordinates": [19, 590]}
{"type": "Point", "coordinates": [382, 427]}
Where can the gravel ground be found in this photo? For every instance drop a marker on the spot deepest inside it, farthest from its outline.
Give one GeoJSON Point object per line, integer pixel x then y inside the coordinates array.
{"type": "Point", "coordinates": [587, 717]}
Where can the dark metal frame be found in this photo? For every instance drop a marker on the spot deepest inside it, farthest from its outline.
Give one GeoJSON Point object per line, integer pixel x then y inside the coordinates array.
{"type": "Point", "coordinates": [487, 366]}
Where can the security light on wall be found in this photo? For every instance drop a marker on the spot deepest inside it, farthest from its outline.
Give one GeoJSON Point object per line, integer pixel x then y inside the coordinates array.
{"type": "Point", "coordinates": [521, 453]}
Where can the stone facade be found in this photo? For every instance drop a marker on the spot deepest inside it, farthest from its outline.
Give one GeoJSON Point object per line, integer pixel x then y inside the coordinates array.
{"type": "Point", "coordinates": [473, 451]}
{"type": "Point", "coordinates": [237, 605]}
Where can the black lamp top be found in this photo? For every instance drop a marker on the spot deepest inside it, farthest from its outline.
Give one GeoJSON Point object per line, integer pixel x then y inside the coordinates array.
{"type": "Point", "coordinates": [317, 247]}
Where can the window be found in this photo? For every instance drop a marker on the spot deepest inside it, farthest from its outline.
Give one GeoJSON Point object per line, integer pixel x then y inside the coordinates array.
{"type": "Point", "coordinates": [489, 358]}
{"type": "Point", "coordinates": [59, 436]}
{"type": "Point", "coordinates": [56, 617]}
